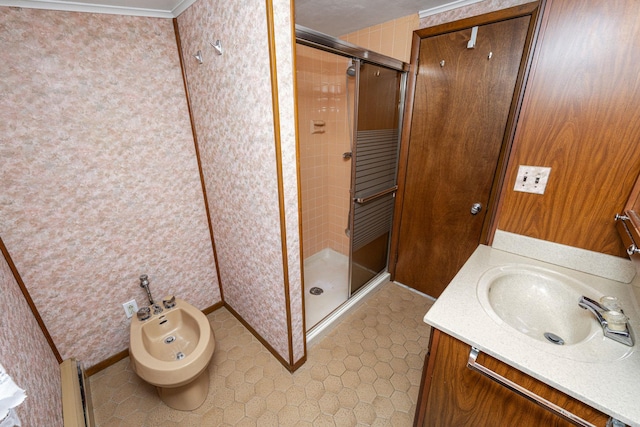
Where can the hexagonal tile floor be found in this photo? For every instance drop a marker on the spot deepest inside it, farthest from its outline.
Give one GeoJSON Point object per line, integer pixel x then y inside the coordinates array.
{"type": "Point", "coordinates": [365, 372]}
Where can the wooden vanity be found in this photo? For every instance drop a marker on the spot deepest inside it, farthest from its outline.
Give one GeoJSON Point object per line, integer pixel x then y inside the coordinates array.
{"type": "Point", "coordinates": [593, 379]}
{"type": "Point", "coordinates": [451, 394]}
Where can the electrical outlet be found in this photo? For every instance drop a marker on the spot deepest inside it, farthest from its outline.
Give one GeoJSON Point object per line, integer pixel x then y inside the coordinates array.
{"type": "Point", "coordinates": [532, 179]}
{"type": "Point", "coordinates": [130, 308]}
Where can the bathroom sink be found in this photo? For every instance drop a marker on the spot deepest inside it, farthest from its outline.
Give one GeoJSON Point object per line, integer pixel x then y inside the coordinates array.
{"type": "Point", "coordinates": [538, 302]}
{"type": "Point", "coordinates": [540, 305]}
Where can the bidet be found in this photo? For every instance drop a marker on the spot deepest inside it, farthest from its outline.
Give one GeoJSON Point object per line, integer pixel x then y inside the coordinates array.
{"type": "Point", "coordinates": [172, 351]}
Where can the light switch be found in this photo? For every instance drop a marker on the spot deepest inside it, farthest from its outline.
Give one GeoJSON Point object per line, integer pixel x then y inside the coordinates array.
{"type": "Point", "coordinates": [532, 179]}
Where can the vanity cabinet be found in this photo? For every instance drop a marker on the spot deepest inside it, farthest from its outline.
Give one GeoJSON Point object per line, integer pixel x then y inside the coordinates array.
{"type": "Point", "coordinates": [451, 394]}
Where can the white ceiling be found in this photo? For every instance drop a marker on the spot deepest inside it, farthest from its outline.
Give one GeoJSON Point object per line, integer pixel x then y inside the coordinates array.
{"type": "Point", "coordinates": [334, 17]}
{"type": "Point", "coordinates": [339, 17]}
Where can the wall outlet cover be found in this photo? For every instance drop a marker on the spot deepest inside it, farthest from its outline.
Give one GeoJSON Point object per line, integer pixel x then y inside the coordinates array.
{"type": "Point", "coordinates": [130, 308]}
{"type": "Point", "coordinates": [532, 179]}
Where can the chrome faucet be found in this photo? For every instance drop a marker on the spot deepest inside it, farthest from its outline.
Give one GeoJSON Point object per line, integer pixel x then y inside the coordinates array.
{"type": "Point", "coordinates": [144, 283]}
{"type": "Point", "coordinates": [623, 335]}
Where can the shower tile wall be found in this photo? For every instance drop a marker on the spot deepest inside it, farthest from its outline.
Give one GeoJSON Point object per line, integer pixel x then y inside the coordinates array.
{"type": "Point", "coordinates": [99, 175]}
{"type": "Point", "coordinates": [325, 175]}
{"type": "Point", "coordinates": [391, 38]}
{"type": "Point", "coordinates": [27, 357]}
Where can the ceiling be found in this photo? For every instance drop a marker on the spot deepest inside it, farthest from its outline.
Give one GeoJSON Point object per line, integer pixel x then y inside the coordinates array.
{"type": "Point", "coordinates": [339, 17]}
{"type": "Point", "coordinates": [334, 17]}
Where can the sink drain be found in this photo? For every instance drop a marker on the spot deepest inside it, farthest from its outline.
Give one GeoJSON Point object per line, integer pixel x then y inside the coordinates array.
{"type": "Point", "coordinates": [180, 355]}
{"type": "Point", "coordinates": [316, 291]}
{"type": "Point", "coordinates": [553, 338]}
{"type": "Point", "coordinates": [169, 339]}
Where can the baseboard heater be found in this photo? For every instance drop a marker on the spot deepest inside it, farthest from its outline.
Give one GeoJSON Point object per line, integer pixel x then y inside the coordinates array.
{"type": "Point", "coordinates": [77, 410]}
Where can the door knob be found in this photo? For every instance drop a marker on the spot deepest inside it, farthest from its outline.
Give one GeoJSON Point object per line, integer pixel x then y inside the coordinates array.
{"type": "Point", "coordinates": [476, 208]}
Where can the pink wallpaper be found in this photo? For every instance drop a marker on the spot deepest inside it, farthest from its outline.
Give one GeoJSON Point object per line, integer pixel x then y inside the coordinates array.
{"type": "Point", "coordinates": [99, 175]}
{"type": "Point", "coordinates": [27, 357]}
{"type": "Point", "coordinates": [232, 107]}
{"type": "Point", "coordinates": [285, 53]}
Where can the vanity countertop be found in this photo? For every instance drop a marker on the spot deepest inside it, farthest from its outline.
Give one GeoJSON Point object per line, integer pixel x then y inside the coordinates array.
{"type": "Point", "coordinates": [611, 386]}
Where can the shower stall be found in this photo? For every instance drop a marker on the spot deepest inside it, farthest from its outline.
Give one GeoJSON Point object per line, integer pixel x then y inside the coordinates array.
{"type": "Point", "coordinates": [350, 102]}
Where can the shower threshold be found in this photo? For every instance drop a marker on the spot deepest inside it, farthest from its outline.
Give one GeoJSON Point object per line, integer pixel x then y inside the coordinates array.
{"type": "Point", "coordinates": [329, 322]}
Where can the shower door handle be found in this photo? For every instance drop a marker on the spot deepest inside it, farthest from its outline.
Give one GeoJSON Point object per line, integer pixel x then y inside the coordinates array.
{"type": "Point", "coordinates": [363, 200]}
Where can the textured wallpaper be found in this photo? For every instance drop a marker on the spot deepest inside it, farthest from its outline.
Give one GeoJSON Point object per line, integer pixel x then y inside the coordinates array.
{"type": "Point", "coordinates": [27, 357]}
{"type": "Point", "coordinates": [232, 107]}
{"type": "Point", "coordinates": [99, 175]}
{"type": "Point", "coordinates": [285, 52]}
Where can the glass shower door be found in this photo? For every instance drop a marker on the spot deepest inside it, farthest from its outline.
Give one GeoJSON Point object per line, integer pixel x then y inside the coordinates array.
{"type": "Point", "coordinates": [374, 170]}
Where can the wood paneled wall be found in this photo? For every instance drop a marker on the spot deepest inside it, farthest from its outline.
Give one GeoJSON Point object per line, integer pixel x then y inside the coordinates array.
{"type": "Point", "coordinates": [581, 117]}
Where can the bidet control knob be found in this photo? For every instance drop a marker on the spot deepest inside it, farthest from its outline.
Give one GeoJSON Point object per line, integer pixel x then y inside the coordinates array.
{"type": "Point", "coordinates": [156, 309]}
{"type": "Point", "coordinates": [169, 302]}
{"type": "Point", "coordinates": [144, 313]}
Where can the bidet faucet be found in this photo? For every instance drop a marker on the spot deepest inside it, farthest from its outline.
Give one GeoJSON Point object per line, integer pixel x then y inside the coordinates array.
{"type": "Point", "coordinates": [144, 283]}
{"type": "Point", "coordinates": [601, 313]}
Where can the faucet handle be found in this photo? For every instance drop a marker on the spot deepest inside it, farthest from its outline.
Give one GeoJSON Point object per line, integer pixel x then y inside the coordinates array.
{"type": "Point", "coordinates": [144, 313]}
{"type": "Point", "coordinates": [169, 301]}
{"type": "Point", "coordinates": [616, 320]}
{"type": "Point", "coordinates": [610, 303]}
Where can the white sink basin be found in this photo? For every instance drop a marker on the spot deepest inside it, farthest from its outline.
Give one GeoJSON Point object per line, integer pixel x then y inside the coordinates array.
{"type": "Point", "coordinates": [540, 303]}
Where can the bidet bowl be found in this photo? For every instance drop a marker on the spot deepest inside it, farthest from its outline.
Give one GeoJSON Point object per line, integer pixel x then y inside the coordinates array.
{"type": "Point", "coordinates": [172, 348]}
{"type": "Point", "coordinates": [537, 302]}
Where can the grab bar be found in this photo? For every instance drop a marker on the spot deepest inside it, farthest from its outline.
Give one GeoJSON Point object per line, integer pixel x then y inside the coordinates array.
{"type": "Point", "coordinates": [362, 200]}
{"type": "Point", "coordinates": [527, 394]}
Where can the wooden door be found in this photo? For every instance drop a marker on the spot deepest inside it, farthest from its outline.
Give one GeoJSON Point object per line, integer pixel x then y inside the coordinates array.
{"type": "Point", "coordinates": [461, 106]}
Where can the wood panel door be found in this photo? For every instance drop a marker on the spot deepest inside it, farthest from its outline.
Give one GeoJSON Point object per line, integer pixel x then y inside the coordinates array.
{"type": "Point", "coordinates": [462, 101]}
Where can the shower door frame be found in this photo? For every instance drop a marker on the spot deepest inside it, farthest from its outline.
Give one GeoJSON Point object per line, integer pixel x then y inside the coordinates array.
{"type": "Point", "coordinates": [311, 38]}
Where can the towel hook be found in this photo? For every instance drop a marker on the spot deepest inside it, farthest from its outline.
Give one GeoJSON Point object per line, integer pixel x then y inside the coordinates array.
{"type": "Point", "coordinates": [217, 46]}
{"type": "Point", "coordinates": [198, 57]}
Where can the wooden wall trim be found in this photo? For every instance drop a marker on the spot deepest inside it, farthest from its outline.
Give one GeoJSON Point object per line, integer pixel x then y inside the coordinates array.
{"type": "Point", "coordinates": [176, 30]}
{"type": "Point", "coordinates": [290, 366]}
{"type": "Point", "coordinates": [294, 59]}
{"type": "Point", "coordinates": [27, 297]}
{"type": "Point", "coordinates": [491, 224]}
{"type": "Point", "coordinates": [273, 65]}
{"type": "Point", "coordinates": [485, 18]}
{"type": "Point", "coordinates": [92, 370]}
{"type": "Point", "coordinates": [403, 157]}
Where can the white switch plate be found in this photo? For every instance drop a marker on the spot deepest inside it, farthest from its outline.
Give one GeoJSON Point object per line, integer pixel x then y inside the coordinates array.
{"type": "Point", "coordinates": [532, 179]}
{"type": "Point", "coordinates": [130, 308]}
